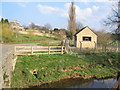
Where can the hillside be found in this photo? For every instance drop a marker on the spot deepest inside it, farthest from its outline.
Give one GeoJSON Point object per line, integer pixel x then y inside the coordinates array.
{"type": "Point", "coordinates": [26, 38]}
{"type": "Point", "coordinates": [37, 33]}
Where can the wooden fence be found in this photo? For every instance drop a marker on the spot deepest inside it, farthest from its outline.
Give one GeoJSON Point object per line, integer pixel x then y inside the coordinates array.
{"type": "Point", "coordinates": [36, 50]}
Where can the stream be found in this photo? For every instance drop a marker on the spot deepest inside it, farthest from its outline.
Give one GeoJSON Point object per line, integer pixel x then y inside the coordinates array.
{"type": "Point", "coordinates": [80, 83]}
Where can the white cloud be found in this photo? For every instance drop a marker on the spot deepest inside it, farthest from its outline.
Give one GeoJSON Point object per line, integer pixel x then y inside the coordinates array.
{"type": "Point", "coordinates": [88, 16]}
{"type": "Point", "coordinates": [85, 15]}
{"type": "Point", "coordinates": [95, 7]}
{"type": "Point", "coordinates": [0, 17]}
{"type": "Point", "coordinates": [44, 9]}
{"type": "Point", "coordinates": [81, 14]}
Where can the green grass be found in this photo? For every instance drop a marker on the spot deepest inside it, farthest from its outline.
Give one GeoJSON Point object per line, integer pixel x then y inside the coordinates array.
{"type": "Point", "coordinates": [49, 67]}
{"type": "Point", "coordinates": [48, 45]}
{"type": "Point", "coordinates": [24, 42]}
{"type": "Point", "coordinates": [33, 37]}
{"type": "Point", "coordinates": [23, 38]}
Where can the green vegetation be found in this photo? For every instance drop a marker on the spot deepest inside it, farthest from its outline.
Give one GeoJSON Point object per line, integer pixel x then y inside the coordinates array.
{"type": "Point", "coordinates": [9, 35]}
{"type": "Point", "coordinates": [5, 32]}
{"type": "Point", "coordinates": [5, 76]}
{"type": "Point", "coordinates": [33, 37]}
{"type": "Point", "coordinates": [4, 20]}
{"type": "Point", "coordinates": [55, 67]}
{"type": "Point", "coordinates": [23, 38]}
{"type": "Point", "coordinates": [49, 44]}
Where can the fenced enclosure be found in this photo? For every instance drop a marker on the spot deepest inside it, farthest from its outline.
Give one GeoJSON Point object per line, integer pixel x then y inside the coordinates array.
{"type": "Point", "coordinates": [74, 50]}
{"type": "Point", "coordinates": [113, 47]}
{"type": "Point", "coordinates": [100, 47]}
{"type": "Point", "coordinates": [36, 50]}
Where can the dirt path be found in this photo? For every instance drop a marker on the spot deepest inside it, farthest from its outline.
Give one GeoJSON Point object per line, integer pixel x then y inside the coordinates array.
{"type": "Point", "coordinates": [6, 48]}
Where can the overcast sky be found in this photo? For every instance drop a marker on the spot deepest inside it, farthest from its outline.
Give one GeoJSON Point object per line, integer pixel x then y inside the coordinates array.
{"type": "Point", "coordinates": [55, 13]}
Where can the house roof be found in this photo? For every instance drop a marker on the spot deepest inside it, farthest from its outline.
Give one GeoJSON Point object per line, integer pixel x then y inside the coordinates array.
{"type": "Point", "coordinates": [83, 29]}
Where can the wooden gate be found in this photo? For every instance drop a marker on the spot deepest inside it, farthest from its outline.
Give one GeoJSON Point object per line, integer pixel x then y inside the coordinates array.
{"type": "Point", "coordinates": [35, 50]}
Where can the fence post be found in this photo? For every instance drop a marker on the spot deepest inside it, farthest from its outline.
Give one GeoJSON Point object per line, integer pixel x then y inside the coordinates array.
{"type": "Point", "coordinates": [117, 47]}
{"type": "Point", "coordinates": [80, 45]}
{"type": "Point", "coordinates": [14, 50]}
{"type": "Point", "coordinates": [32, 50]}
{"type": "Point", "coordinates": [48, 49]}
{"type": "Point", "coordinates": [62, 50]}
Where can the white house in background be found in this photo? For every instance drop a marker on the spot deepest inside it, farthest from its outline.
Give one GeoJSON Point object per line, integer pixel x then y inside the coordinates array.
{"type": "Point", "coordinates": [85, 38]}
{"type": "Point", "coordinates": [16, 25]}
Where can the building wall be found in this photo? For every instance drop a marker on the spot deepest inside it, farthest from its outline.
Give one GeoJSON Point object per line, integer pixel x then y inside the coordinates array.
{"type": "Point", "coordinates": [86, 44]}
{"type": "Point", "coordinates": [8, 66]}
{"type": "Point", "coordinates": [15, 25]}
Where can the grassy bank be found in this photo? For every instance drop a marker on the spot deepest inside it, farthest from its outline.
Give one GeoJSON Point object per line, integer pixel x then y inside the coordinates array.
{"type": "Point", "coordinates": [23, 38]}
{"type": "Point", "coordinates": [55, 67]}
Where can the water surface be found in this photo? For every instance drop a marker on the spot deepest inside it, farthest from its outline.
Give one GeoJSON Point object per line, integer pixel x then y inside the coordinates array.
{"type": "Point", "coordinates": [80, 83]}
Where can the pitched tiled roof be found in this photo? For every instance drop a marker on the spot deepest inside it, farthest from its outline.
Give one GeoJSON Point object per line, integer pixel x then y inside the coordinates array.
{"type": "Point", "coordinates": [83, 29]}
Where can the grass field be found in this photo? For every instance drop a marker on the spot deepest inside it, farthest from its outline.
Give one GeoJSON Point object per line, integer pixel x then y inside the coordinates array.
{"type": "Point", "coordinates": [23, 38]}
{"type": "Point", "coordinates": [55, 67]}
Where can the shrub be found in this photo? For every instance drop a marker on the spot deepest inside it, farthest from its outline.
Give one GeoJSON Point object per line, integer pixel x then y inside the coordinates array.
{"type": "Point", "coordinates": [31, 32]}
{"type": "Point", "coordinates": [6, 32]}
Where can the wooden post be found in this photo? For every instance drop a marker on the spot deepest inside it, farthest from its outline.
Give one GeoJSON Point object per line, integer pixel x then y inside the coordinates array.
{"type": "Point", "coordinates": [65, 49]}
{"type": "Point", "coordinates": [48, 49]}
{"type": "Point", "coordinates": [32, 50]}
{"type": "Point", "coordinates": [95, 47]}
{"type": "Point", "coordinates": [80, 45]}
{"type": "Point", "coordinates": [14, 50]}
{"type": "Point", "coordinates": [117, 47]}
{"type": "Point", "coordinates": [62, 50]}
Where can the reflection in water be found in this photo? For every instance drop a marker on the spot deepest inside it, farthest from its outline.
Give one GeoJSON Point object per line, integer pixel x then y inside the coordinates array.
{"type": "Point", "coordinates": [80, 83]}
{"type": "Point", "coordinates": [105, 83]}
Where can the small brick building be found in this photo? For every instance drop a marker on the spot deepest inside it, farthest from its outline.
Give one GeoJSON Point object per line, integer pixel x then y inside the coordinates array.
{"type": "Point", "coordinates": [85, 38]}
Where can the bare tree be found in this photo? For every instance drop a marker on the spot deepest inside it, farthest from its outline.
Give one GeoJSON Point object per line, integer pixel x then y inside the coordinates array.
{"type": "Point", "coordinates": [114, 20]}
{"type": "Point", "coordinates": [32, 25]}
{"type": "Point", "coordinates": [79, 26]}
{"type": "Point", "coordinates": [72, 21]}
{"type": "Point", "coordinates": [48, 26]}
{"type": "Point", "coordinates": [35, 26]}
{"type": "Point", "coordinates": [104, 38]}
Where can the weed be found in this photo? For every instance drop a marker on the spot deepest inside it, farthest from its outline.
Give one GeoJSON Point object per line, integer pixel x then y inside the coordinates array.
{"type": "Point", "coordinates": [49, 67]}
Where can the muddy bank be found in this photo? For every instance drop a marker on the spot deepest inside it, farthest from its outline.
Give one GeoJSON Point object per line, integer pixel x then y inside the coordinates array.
{"type": "Point", "coordinates": [49, 68]}
{"type": "Point", "coordinates": [79, 82]}
{"type": "Point", "coordinates": [75, 77]}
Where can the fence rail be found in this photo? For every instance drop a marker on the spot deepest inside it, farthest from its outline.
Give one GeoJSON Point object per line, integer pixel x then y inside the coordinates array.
{"type": "Point", "coordinates": [36, 50]}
